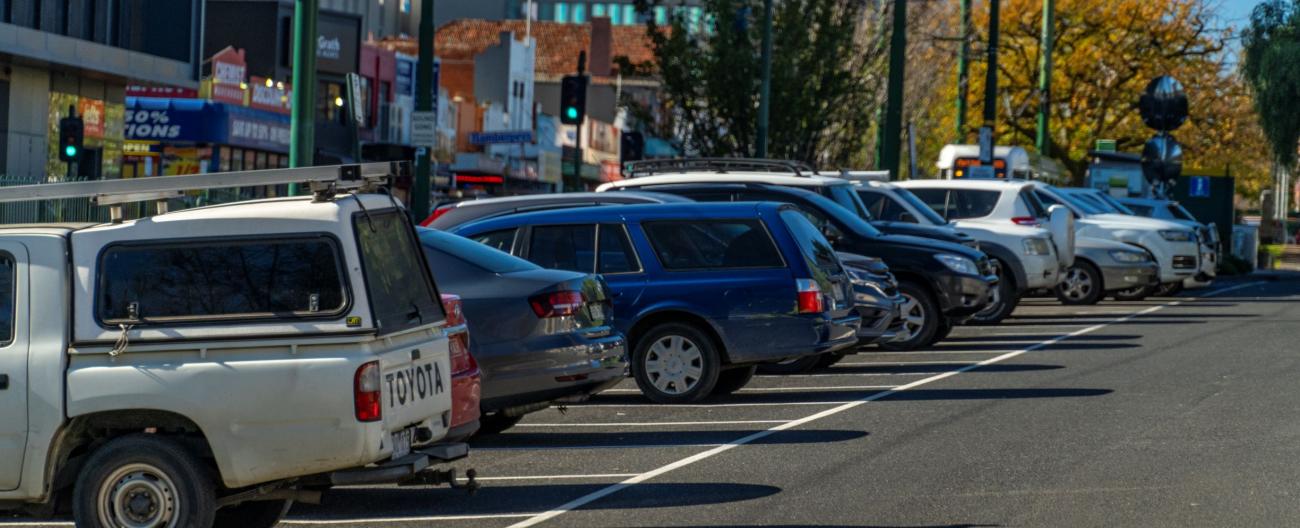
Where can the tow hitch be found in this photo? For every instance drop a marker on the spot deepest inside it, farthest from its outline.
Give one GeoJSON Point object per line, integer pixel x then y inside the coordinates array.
{"type": "Point", "coordinates": [433, 477]}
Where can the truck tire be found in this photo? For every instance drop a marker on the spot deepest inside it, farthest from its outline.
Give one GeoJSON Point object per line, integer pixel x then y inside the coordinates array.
{"type": "Point", "coordinates": [1082, 285]}
{"type": "Point", "coordinates": [921, 318]}
{"type": "Point", "coordinates": [675, 363]}
{"type": "Point", "coordinates": [797, 365]}
{"type": "Point", "coordinates": [732, 380]}
{"type": "Point", "coordinates": [495, 423]}
{"type": "Point", "coordinates": [143, 480]}
{"type": "Point", "coordinates": [252, 514]}
{"type": "Point", "coordinates": [1005, 299]}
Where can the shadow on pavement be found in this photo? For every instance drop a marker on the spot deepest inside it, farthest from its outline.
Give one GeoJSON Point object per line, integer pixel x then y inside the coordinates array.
{"type": "Point", "coordinates": [828, 395]}
{"type": "Point", "coordinates": [377, 504]}
{"type": "Point", "coordinates": [643, 439]}
{"type": "Point", "coordinates": [1036, 338]}
{"type": "Point", "coordinates": [927, 368]}
{"type": "Point", "coordinates": [1063, 321]}
{"type": "Point", "coordinates": [991, 394]}
{"type": "Point", "coordinates": [844, 526]}
{"type": "Point", "coordinates": [1154, 315]}
{"type": "Point", "coordinates": [1069, 343]}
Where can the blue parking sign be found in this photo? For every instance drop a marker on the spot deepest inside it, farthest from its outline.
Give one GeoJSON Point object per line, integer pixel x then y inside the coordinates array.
{"type": "Point", "coordinates": [1198, 186]}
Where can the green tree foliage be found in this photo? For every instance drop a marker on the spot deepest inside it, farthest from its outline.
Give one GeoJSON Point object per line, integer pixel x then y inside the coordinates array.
{"type": "Point", "coordinates": [1272, 66]}
{"type": "Point", "coordinates": [826, 78]}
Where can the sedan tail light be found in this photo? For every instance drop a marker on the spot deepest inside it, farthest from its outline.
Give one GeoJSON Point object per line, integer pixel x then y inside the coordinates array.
{"type": "Point", "coordinates": [1025, 221]}
{"type": "Point", "coordinates": [366, 394]}
{"type": "Point", "coordinates": [556, 304]}
{"type": "Point", "coordinates": [462, 361]}
{"type": "Point", "coordinates": [809, 296]}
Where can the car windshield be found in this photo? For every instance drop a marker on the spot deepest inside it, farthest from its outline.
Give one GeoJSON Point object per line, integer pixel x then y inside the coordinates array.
{"type": "Point", "coordinates": [844, 196]}
{"type": "Point", "coordinates": [1093, 200]}
{"type": "Point", "coordinates": [490, 259]}
{"type": "Point", "coordinates": [1179, 212]}
{"type": "Point", "coordinates": [851, 221]}
{"type": "Point", "coordinates": [1116, 204]}
{"type": "Point", "coordinates": [1079, 203]}
{"type": "Point", "coordinates": [919, 206]}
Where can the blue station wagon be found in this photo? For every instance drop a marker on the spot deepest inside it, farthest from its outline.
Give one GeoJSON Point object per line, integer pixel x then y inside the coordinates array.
{"type": "Point", "coordinates": [703, 292]}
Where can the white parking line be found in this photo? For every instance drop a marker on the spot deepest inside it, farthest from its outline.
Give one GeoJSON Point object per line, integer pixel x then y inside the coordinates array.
{"type": "Point", "coordinates": [904, 363]}
{"type": "Point", "coordinates": [842, 374]}
{"type": "Point", "coordinates": [935, 351]}
{"type": "Point", "coordinates": [700, 405]}
{"type": "Point", "coordinates": [608, 490]}
{"type": "Point", "coordinates": [586, 447]}
{"type": "Point", "coordinates": [652, 424]}
{"type": "Point", "coordinates": [560, 477]}
{"type": "Point", "coordinates": [368, 522]}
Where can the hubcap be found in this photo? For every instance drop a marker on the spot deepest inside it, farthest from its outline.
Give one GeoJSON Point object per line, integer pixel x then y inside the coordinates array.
{"type": "Point", "coordinates": [913, 318]}
{"type": "Point", "coordinates": [137, 496]}
{"type": "Point", "coordinates": [674, 364]}
{"type": "Point", "coordinates": [1077, 284]}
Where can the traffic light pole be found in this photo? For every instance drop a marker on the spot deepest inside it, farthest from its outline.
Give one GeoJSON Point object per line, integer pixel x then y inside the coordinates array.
{"type": "Point", "coordinates": [765, 86]}
{"type": "Point", "coordinates": [893, 126]}
{"type": "Point", "coordinates": [575, 181]}
{"type": "Point", "coordinates": [1043, 140]}
{"type": "Point", "coordinates": [963, 71]}
{"type": "Point", "coordinates": [987, 140]}
{"type": "Point", "coordinates": [302, 125]}
{"type": "Point", "coordinates": [424, 90]}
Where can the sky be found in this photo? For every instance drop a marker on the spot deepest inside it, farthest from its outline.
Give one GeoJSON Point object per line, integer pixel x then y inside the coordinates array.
{"type": "Point", "coordinates": [1237, 12]}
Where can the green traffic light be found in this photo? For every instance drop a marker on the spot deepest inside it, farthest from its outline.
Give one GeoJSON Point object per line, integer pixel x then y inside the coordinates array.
{"type": "Point", "coordinates": [571, 112]}
{"type": "Point", "coordinates": [70, 151]}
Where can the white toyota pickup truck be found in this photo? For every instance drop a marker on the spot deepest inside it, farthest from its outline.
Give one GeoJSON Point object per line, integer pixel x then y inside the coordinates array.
{"type": "Point", "coordinates": [207, 367]}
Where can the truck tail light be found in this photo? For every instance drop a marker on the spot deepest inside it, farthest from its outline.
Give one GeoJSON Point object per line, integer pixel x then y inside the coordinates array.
{"type": "Point", "coordinates": [809, 296]}
{"type": "Point", "coordinates": [1025, 221]}
{"type": "Point", "coordinates": [366, 394]}
{"type": "Point", "coordinates": [455, 312]}
{"type": "Point", "coordinates": [556, 304]}
{"type": "Point", "coordinates": [436, 213]}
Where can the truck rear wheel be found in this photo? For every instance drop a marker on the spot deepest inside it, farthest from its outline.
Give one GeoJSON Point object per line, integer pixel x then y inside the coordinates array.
{"type": "Point", "coordinates": [252, 514]}
{"type": "Point", "coordinates": [146, 481]}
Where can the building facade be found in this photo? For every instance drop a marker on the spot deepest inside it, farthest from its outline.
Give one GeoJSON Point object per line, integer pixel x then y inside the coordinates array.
{"type": "Point", "coordinates": [62, 56]}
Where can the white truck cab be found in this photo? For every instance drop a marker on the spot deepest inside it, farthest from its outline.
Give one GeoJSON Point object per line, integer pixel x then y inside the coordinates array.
{"type": "Point", "coordinates": [207, 367]}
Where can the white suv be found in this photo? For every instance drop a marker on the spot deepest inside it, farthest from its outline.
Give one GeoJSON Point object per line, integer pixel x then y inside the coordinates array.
{"type": "Point", "coordinates": [1003, 216]}
{"type": "Point", "coordinates": [1173, 246]}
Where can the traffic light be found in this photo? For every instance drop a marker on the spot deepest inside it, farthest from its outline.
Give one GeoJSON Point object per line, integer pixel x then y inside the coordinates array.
{"type": "Point", "coordinates": [573, 99]}
{"type": "Point", "coordinates": [71, 134]}
{"type": "Point", "coordinates": [631, 147]}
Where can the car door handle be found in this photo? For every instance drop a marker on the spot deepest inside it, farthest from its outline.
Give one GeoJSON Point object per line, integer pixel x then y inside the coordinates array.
{"type": "Point", "coordinates": [4, 381]}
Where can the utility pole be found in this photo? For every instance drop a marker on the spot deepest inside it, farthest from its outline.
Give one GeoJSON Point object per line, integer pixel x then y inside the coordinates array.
{"type": "Point", "coordinates": [990, 90]}
{"type": "Point", "coordinates": [302, 124]}
{"type": "Point", "coordinates": [576, 184]}
{"type": "Point", "coordinates": [765, 90]}
{"type": "Point", "coordinates": [893, 127]}
{"type": "Point", "coordinates": [963, 71]}
{"type": "Point", "coordinates": [424, 90]}
{"type": "Point", "coordinates": [1043, 141]}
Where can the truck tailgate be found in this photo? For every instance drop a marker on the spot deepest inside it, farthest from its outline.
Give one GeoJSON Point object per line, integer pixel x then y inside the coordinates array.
{"type": "Point", "coordinates": [416, 385]}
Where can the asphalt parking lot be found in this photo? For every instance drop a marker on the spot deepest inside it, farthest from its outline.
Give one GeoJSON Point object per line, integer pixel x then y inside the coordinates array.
{"type": "Point", "coordinates": [1164, 412]}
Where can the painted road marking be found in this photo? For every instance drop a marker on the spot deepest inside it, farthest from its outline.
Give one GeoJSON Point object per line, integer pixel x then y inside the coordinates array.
{"type": "Point", "coordinates": [614, 488]}
{"type": "Point", "coordinates": [652, 424]}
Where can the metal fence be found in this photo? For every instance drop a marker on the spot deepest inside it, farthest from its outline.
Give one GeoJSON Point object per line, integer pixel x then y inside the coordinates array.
{"type": "Point", "coordinates": [83, 210]}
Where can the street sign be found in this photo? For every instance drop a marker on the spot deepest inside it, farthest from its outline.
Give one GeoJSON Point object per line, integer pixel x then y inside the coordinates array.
{"type": "Point", "coordinates": [501, 136]}
{"type": "Point", "coordinates": [986, 145]}
{"type": "Point", "coordinates": [981, 171]}
{"type": "Point", "coordinates": [1198, 186]}
{"type": "Point", "coordinates": [424, 129]}
{"type": "Point", "coordinates": [354, 94]}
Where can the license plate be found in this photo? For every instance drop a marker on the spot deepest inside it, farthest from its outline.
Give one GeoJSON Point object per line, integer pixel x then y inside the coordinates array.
{"type": "Point", "coordinates": [597, 311]}
{"type": "Point", "coordinates": [401, 443]}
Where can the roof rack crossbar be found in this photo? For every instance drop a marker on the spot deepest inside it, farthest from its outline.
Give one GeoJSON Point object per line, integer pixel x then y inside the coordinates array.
{"type": "Point", "coordinates": [649, 167]}
{"type": "Point", "coordinates": [324, 181]}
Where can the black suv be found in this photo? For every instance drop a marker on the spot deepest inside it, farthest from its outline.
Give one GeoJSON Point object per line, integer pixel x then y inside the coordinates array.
{"type": "Point", "coordinates": [935, 277]}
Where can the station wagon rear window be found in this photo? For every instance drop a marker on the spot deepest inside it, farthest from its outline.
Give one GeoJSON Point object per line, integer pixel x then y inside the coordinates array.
{"type": "Point", "coordinates": [218, 279]}
{"type": "Point", "coordinates": [401, 291]}
{"type": "Point", "coordinates": [713, 244]}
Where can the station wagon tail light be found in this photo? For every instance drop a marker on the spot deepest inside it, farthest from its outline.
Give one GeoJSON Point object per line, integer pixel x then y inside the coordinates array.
{"type": "Point", "coordinates": [366, 394]}
{"type": "Point", "coordinates": [1025, 220]}
{"type": "Point", "coordinates": [556, 304]}
{"type": "Point", "coordinates": [809, 296]}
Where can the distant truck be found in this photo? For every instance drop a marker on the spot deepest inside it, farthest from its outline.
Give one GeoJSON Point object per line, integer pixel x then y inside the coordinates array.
{"type": "Point", "coordinates": [957, 161]}
{"type": "Point", "coordinates": [208, 367]}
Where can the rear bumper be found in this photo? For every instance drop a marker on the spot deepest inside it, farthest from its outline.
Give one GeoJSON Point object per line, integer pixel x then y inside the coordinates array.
{"type": "Point", "coordinates": [551, 368]}
{"type": "Point", "coordinates": [1041, 271]}
{"type": "Point", "coordinates": [793, 336]}
{"type": "Point", "coordinates": [1125, 276]}
{"type": "Point", "coordinates": [394, 471]}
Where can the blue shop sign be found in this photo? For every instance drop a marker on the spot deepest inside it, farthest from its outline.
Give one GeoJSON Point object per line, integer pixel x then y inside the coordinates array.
{"type": "Point", "coordinates": [200, 121]}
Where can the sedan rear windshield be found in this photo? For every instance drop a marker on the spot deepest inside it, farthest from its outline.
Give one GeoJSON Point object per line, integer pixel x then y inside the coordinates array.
{"type": "Point", "coordinates": [402, 294]}
{"type": "Point", "coordinates": [490, 259]}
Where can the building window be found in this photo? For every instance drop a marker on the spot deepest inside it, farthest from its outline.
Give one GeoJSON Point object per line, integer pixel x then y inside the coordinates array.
{"type": "Point", "coordinates": [615, 14]}
{"type": "Point", "coordinates": [406, 6]}
{"type": "Point", "coordinates": [579, 13]}
{"type": "Point", "coordinates": [629, 14]}
{"type": "Point", "coordinates": [597, 10]}
{"type": "Point", "coordinates": [561, 12]}
{"type": "Point", "coordinates": [661, 15]}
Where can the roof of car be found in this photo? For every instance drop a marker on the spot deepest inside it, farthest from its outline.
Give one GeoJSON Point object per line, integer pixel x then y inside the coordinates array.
{"type": "Point", "coordinates": [1144, 201]}
{"type": "Point", "coordinates": [981, 184]}
{"type": "Point", "coordinates": [773, 178]}
{"type": "Point", "coordinates": [541, 199]}
{"type": "Point", "coordinates": [596, 214]}
{"type": "Point", "coordinates": [286, 210]}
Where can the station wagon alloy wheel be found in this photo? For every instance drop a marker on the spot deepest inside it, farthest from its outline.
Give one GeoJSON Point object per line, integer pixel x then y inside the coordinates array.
{"type": "Point", "coordinates": [1082, 285]}
{"type": "Point", "coordinates": [138, 496]}
{"type": "Point", "coordinates": [674, 364]}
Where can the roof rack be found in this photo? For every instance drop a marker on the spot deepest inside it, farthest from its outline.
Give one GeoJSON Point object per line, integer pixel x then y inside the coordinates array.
{"type": "Point", "coordinates": [324, 182]}
{"type": "Point", "coordinates": [633, 169]}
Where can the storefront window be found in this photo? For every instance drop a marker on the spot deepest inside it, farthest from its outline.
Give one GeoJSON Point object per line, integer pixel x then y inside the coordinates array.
{"type": "Point", "coordinates": [328, 107]}
{"type": "Point", "coordinates": [261, 161]}
{"type": "Point", "coordinates": [225, 160]}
